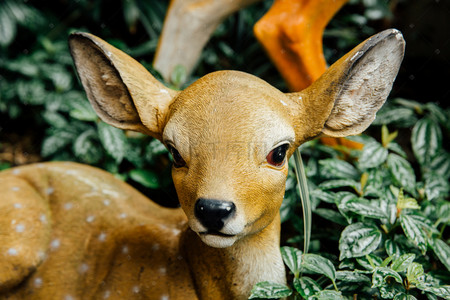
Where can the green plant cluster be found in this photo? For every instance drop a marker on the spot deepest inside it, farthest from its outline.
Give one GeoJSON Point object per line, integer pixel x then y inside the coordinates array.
{"type": "Point", "coordinates": [387, 223]}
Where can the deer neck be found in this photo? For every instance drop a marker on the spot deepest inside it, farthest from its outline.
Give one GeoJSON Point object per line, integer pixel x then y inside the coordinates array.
{"type": "Point", "coordinates": [230, 273]}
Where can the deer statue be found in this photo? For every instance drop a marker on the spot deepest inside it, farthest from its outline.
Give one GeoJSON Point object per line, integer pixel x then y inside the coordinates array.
{"type": "Point", "coordinates": [71, 231]}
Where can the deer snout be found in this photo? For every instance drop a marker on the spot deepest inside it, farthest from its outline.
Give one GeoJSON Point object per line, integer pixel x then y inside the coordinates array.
{"type": "Point", "coordinates": [213, 214]}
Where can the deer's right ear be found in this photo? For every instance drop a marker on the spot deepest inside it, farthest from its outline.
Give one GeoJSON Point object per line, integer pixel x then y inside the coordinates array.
{"type": "Point", "coordinates": [122, 92]}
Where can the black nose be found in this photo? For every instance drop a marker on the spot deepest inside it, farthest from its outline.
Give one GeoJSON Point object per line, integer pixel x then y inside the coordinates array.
{"type": "Point", "coordinates": [213, 213]}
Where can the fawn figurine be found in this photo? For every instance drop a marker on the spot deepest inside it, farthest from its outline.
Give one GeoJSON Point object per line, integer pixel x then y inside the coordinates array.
{"type": "Point", "coordinates": [70, 231]}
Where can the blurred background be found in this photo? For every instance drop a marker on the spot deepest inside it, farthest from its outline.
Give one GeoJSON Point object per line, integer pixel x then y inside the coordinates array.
{"type": "Point", "coordinates": [44, 114]}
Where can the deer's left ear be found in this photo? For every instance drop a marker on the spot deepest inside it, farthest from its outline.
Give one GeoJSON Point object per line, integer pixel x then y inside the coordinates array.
{"type": "Point", "coordinates": [345, 99]}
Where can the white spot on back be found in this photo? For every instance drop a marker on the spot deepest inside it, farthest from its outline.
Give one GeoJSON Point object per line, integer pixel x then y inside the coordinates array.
{"type": "Point", "coordinates": [55, 244]}
{"type": "Point", "coordinates": [282, 102]}
{"type": "Point", "coordinates": [16, 171]}
{"type": "Point", "coordinates": [125, 249]}
{"type": "Point", "coordinates": [68, 297]}
{"type": "Point", "coordinates": [49, 191]}
{"type": "Point", "coordinates": [164, 297]}
{"type": "Point", "coordinates": [162, 271]}
{"type": "Point", "coordinates": [41, 254]}
{"type": "Point", "coordinates": [106, 294]}
{"type": "Point", "coordinates": [13, 221]}
{"type": "Point", "coordinates": [17, 205]}
{"type": "Point", "coordinates": [83, 268]}
{"type": "Point", "coordinates": [90, 219]}
{"type": "Point", "coordinates": [102, 237]}
{"type": "Point", "coordinates": [38, 282]}
{"type": "Point", "coordinates": [43, 218]}
{"type": "Point", "coordinates": [68, 206]}
{"type": "Point", "coordinates": [15, 189]}
{"type": "Point", "coordinates": [164, 91]}
{"type": "Point", "coordinates": [176, 231]}
{"type": "Point", "coordinates": [20, 228]}
{"type": "Point", "coordinates": [106, 202]}
{"type": "Point", "coordinates": [12, 252]}
{"type": "Point", "coordinates": [122, 215]}
{"type": "Point", "coordinates": [136, 289]}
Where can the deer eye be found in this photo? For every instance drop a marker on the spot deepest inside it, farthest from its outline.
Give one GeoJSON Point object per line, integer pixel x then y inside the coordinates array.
{"type": "Point", "coordinates": [178, 160]}
{"type": "Point", "coordinates": [277, 156]}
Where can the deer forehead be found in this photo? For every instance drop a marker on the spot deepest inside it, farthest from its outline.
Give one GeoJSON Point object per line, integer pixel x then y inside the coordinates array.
{"type": "Point", "coordinates": [229, 107]}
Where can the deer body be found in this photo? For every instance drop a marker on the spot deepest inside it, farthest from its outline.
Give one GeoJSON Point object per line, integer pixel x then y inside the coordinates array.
{"type": "Point", "coordinates": [75, 232]}
{"type": "Point", "coordinates": [108, 241]}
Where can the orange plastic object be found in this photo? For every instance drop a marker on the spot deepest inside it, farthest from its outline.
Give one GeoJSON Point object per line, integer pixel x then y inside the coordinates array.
{"type": "Point", "coordinates": [291, 32]}
{"type": "Point", "coordinates": [341, 142]}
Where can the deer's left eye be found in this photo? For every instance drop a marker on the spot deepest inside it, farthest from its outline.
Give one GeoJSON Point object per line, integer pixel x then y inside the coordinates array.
{"type": "Point", "coordinates": [277, 156]}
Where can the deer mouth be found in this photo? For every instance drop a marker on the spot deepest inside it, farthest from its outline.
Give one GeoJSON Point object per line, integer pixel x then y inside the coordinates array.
{"type": "Point", "coordinates": [217, 233]}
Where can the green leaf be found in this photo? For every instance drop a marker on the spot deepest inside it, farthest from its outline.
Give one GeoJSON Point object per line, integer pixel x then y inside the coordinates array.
{"type": "Point", "coordinates": [268, 290]}
{"type": "Point", "coordinates": [414, 231]}
{"type": "Point", "coordinates": [444, 212]}
{"type": "Point", "coordinates": [426, 139]}
{"type": "Point", "coordinates": [363, 207]}
{"type": "Point", "coordinates": [85, 147]}
{"type": "Point", "coordinates": [56, 142]}
{"type": "Point", "coordinates": [292, 257]}
{"type": "Point", "coordinates": [406, 202]}
{"type": "Point", "coordinates": [397, 149]}
{"type": "Point", "coordinates": [400, 116]}
{"type": "Point", "coordinates": [54, 119]}
{"type": "Point", "coordinates": [381, 274]}
{"type": "Point", "coordinates": [113, 140]}
{"type": "Point", "coordinates": [320, 265]}
{"type": "Point", "coordinates": [328, 295]}
{"type": "Point", "coordinates": [358, 239]}
{"type": "Point", "coordinates": [339, 183]}
{"type": "Point", "coordinates": [82, 110]}
{"type": "Point", "coordinates": [442, 251]}
{"type": "Point", "coordinates": [306, 287]}
{"type": "Point", "coordinates": [370, 261]}
{"type": "Point", "coordinates": [373, 155]}
{"type": "Point", "coordinates": [403, 296]}
{"type": "Point", "coordinates": [389, 290]}
{"type": "Point", "coordinates": [331, 215]}
{"type": "Point", "coordinates": [440, 291]}
{"type": "Point", "coordinates": [402, 172]}
{"type": "Point", "coordinates": [436, 187]}
{"type": "Point", "coordinates": [392, 248]}
{"type": "Point", "coordinates": [145, 177]}
{"type": "Point", "coordinates": [336, 168]}
{"type": "Point", "coordinates": [327, 197]}
{"type": "Point", "coordinates": [8, 27]}
{"type": "Point", "coordinates": [31, 92]}
{"type": "Point", "coordinates": [440, 165]}
{"type": "Point", "coordinates": [349, 276]}
{"type": "Point", "coordinates": [414, 273]}
{"type": "Point", "coordinates": [401, 264]}
{"type": "Point", "coordinates": [386, 137]}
